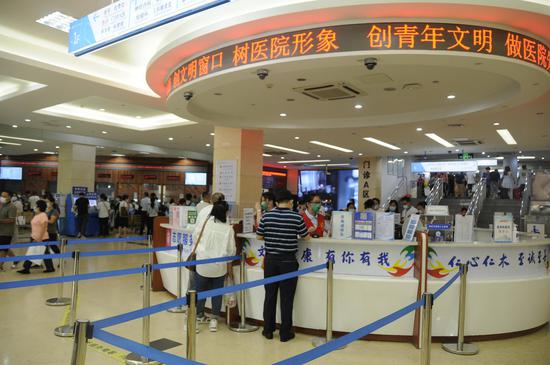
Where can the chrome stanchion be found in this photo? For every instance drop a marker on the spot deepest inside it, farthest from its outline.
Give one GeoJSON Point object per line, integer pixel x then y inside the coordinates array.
{"type": "Point", "coordinates": [242, 326]}
{"type": "Point", "coordinates": [461, 348]}
{"type": "Point", "coordinates": [318, 341]}
{"type": "Point", "coordinates": [68, 329]}
{"type": "Point", "coordinates": [60, 300]}
{"type": "Point", "coordinates": [150, 246]}
{"type": "Point", "coordinates": [81, 335]}
{"type": "Point", "coordinates": [179, 308]}
{"type": "Point", "coordinates": [191, 324]}
{"type": "Point", "coordinates": [425, 353]}
{"type": "Point", "coordinates": [133, 358]}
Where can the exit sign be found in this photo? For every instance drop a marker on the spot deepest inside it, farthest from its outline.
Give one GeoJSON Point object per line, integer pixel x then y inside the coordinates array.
{"type": "Point", "coordinates": [465, 156]}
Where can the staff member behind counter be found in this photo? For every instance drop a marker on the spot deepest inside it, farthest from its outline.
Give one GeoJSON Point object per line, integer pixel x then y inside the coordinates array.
{"type": "Point", "coordinates": [314, 220]}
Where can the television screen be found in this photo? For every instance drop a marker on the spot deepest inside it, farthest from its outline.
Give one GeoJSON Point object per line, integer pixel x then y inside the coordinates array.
{"type": "Point", "coordinates": [11, 173]}
{"type": "Point", "coordinates": [195, 178]}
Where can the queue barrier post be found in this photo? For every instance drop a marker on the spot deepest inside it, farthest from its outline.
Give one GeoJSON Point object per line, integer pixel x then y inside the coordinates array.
{"type": "Point", "coordinates": [150, 247]}
{"type": "Point", "coordinates": [133, 358]}
{"type": "Point", "coordinates": [81, 336]}
{"type": "Point", "coordinates": [191, 325]}
{"type": "Point", "coordinates": [242, 326]}
{"type": "Point", "coordinates": [318, 341]}
{"type": "Point", "coordinates": [461, 348]}
{"type": "Point", "coordinates": [60, 300]}
{"type": "Point", "coordinates": [67, 330]}
{"type": "Point", "coordinates": [425, 352]}
{"type": "Point", "coordinates": [179, 308]}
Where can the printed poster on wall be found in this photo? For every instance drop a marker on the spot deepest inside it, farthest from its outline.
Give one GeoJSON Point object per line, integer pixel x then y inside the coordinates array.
{"type": "Point", "coordinates": [226, 179]}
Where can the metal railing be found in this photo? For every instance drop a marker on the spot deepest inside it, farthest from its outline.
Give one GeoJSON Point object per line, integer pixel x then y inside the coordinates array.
{"type": "Point", "coordinates": [436, 193]}
{"type": "Point", "coordinates": [478, 198]}
{"type": "Point", "coordinates": [526, 195]}
{"type": "Point", "coordinates": [396, 193]}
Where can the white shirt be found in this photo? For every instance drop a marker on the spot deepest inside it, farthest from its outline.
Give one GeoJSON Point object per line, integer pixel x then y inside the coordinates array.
{"type": "Point", "coordinates": [201, 205]}
{"type": "Point", "coordinates": [218, 240]}
{"type": "Point", "coordinates": [32, 201]}
{"type": "Point", "coordinates": [153, 210]}
{"type": "Point", "coordinates": [103, 209]}
{"type": "Point", "coordinates": [145, 204]}
{"type": "Point", "coordinates": [471, 177]}
{"type": "Point", "coordinates": [201, 218]}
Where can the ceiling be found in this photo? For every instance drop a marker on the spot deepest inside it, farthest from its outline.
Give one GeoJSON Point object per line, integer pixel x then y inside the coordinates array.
{"type": "Point", "coordinates": [487, 91]}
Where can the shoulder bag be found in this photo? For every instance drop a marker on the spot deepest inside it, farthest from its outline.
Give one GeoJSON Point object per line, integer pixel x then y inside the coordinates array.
{"type": "Point", "coordinates": [193, 256]}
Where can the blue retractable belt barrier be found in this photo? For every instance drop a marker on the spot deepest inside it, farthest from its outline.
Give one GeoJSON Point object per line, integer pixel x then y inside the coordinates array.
{"type": "Point", "coordinates": [126, 317]}
{"type": "Point", "coordinates": [30, 244]}
{"type": "Point", "coordinates": [65, 279]}
{"type": "Point", "coordinates": [146, 351]}
{"type": "Point", "coordinates": [447, 285]}
{"type": "Point", "coordinates": [317, 352]}
{"type": "Point", "coordinates": [126, 252]}
{"type": "Point", "coordinates": [196, 262]}
{"type": "Point", "coordinates": [251, 284]}
{"type": "Point", "coordinates": [37, 257]}
{"type": "Point", "coordinates": [105, 240]}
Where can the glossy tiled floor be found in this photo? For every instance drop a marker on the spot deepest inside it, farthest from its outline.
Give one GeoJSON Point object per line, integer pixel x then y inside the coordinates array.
{"type": "Point", "coordinates": [26, 329]}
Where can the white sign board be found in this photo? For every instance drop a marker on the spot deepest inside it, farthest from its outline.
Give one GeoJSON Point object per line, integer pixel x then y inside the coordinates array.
{"type": "Point", "coordinates": [411, 227]}
{"type": "Point", "coordinates": [444, 166]}
{"type": "Point", "coordinates": [385, 226]}
{"type": "Point", "coordinates": [364, 225]}
{"type": "Point", "coordinates": [464, 228]}
{"type": "Point", "coordinates": [342, 225]}
{"type": "Point", "coordinates": [503, 226]}
{"type": "Point", "coordinates": [226, 179]}
{"type": "Point", "coordinates": [248, 220]}
{"type": "Point", "coordinates": [536, 228]}
{"type": "Point", "coordinates": [437, 210]}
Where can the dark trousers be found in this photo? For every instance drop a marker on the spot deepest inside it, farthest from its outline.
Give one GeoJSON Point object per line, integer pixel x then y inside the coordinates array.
{"type": "Point", "coordinates": [49, 249]}
{"type": "Point", "coordinates": [143, 222]}
{"type": "Point", "coordinates": [104, 226]}
{"type": "Point", "coordinates": [203, 284]}
{"type": "Point", "coordinates": [81, 223]}
{"type": "Point", "coordinates": [276, 265]}
{"type": "Point", "coordinates": [150, 221]}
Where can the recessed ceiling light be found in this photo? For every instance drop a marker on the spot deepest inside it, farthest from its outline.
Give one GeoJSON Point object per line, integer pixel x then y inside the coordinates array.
{"type": "Point", "coordinates": [482, 153]}
{"type": "Point", "coordinates": [170, 138]}
{"type": "Point", "coordinates": [48, 153]}
{"type": "Point", "coordinates": [57, 147]}
{"type": "Point", "coordinates": [35, 149]}
{"type": "Point", "coordinates": [457, 150]}
{"type": "Point", "coordinates": [406, 152]}
{"type": "Point", "coordinates": [286, 149]}
{"type": "Point", "coordinates": [284, 166]}
{"type": "Point", "coordinates": [490, 156]}
{"type": "Point", "coordinates": [439, 140]}
{"type": "Point", "coordinates": [358, 106]}
{"type": "Point", "coordinates": [520, 151]}
{"type": "Point", "coordinates": [57, 20]}
{"type": "Point", "coordinates": [68, 126]}
{"type": "Point", "coordinates": [303, 161]}
{"type": "Point", "coordinates": [15, 126]}
{"type": "Point", "coordinates": [542, 158]}
{"type": "Point", "coordinates": [496, 123]}
{"type": "Point", "coordinates": [103, 132]}
{"type": "Point", "coordinates": [381, 143]}
{"type": "Point", "coordinates": [360, 154]}
{"type": "Point", "coordinates": [318, 156]}
{"type": "Point", "coordinates": [27, 120]}
{"type": "Point", "coordinates": [526, 157]}
{"type": "Point", "coordinates": [296, 137]}
{"type": "Point", "coordinates": [283, 115]}
{"type": "Point", "coordinates": [208, 145]}
{"type": "Point", "coordinates": [22, 139]}
{"type": "Point", "coordinates": [266, 155]}
{"type": "Point", "coordinates": [331, 146]}
{"type": "Point", "coordinates": [138, 116]}
{"type": "Point", "coordinates": [506, 136]}
{"type": "Point", "coordinates": [451, 96]}
{"type": "Point", "coordinates": [282, 157]}
{"type": "Point", "coordinates": [11, 143]}
{"type": "Point", "coordinates": [419, 129]}
{"type": "Point", "coordinates": [101, 109]}
{"type": "Point", "coordinates": [498, 158]}
{"type": "Point", "coordinates": [212, 134]}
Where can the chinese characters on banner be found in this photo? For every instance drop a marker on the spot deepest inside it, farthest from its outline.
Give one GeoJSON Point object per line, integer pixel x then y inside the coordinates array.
{"type": "Point", "coordinates": [365, 37]}
{"type": "Point", "coordinates": [226, 179]}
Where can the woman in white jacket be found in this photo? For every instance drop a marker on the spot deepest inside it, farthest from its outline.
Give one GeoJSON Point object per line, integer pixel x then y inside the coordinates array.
{"type": "Point", "coordinates": [218, 240]}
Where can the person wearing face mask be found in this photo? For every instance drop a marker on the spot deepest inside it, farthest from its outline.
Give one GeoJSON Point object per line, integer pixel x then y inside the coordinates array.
{"type": "Point", "coordinates": [39, 233]}
{"type": "Point", "coordinates": [315, 221]}
{"type": "Point", "coordinates": [266, 204]}
{"type": "Point", "coordinates": [376, 205]}
{"type": "Point", "coordinates": [408, 209]}
{"type": "Point", "coordinates": [8, 212]}
{"type": "Point", "coordinates": [52, 210]}
{"type": "Point", "coordinates": [393, 207]}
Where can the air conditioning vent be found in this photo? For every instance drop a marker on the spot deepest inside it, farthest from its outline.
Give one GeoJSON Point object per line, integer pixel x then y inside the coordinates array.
{"type": "Point", "coordinates": [467, 142]}
{"type": "Point", "coordinates": [331, 91]}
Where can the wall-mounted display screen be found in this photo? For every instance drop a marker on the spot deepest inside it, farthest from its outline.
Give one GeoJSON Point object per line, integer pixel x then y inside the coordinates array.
{"type": "Point", "coordinates": [11, 173]}
{"type": "Point", "coordinates": [195, 178]}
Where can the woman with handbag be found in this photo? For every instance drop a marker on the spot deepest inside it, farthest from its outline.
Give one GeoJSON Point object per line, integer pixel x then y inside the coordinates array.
{"type": "Point", "coordinates": [217, 239]}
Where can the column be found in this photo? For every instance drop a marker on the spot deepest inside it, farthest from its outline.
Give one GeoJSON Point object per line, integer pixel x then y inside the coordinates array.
{"type": "Point", "coordinates": [76, 167]}
{"type": "Point", "coordinates": [238, 164]}
{"type": "Point", "coordinates": [369, 180]}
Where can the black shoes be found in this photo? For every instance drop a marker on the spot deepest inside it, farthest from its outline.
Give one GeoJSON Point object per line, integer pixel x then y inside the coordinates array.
{"type": "Point", "coordinates": [268, 335]}
{"type": "Point", "coordinates": [48, 271]}
{"type": "Point", "coordinates": [290, 336]}
{"type": "Point", "coordinates": [24, 271]}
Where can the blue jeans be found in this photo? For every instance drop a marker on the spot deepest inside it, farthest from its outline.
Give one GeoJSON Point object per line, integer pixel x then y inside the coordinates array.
{"type": "Point", "coordinates": [203, 283]}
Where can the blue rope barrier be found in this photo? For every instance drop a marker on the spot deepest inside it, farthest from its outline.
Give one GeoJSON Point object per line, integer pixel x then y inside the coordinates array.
{"type": "Point", "coordinates": [335, 344]}
{"type": "Point", "coordinates": [65, 279]}
{"type": "Point", "coordinates": [126, 252]}
{"type": "Point", "coordinates": [447, 285]}
{"type": "Point", "coordinates": [30, 244]}
{"type": "Point", "coordinates": [126, 317]}
{"type": "Point", "coordinates": [146, 351]}
{"type": "Point", "coordinates": [196, 262]}
{"type": "Point", "coordinates": [251, 284]}
{"type": "Point", "coordinates": [105, 240]}
{"type": "Point", "coordinates": [36, 257]}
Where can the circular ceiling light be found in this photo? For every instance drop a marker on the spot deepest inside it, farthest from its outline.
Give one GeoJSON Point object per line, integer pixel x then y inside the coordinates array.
{"type": "Point", "coordinates": [15, 126]}
{"type": "Point", "coordinates": [451, 96]}
{"type": "Point", "coordinates": [170, 138]}
{"type": "Point", "coordinates": [419, 129]}
{"type": "Point", "coordinates": [496, 123]}
{"type": "Point", "coordinates": [283, 115]}
{"type": "Point", "coordinates": [103, 132]}
{"type": "Point", "coordinates": [358, 106]}
{"type": "Point", "coordinates": [27, 120]}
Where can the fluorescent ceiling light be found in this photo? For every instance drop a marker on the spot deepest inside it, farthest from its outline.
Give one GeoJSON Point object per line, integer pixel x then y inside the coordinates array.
{"type": "Point", "coordinates": [330, 164]}
{"type": "Point", "coordinates": [208, 145]}
{"type": "Point", "coordinates": [286, 149]}
{"type": "Point", "coordinates": [419, 129]}
{"type": "Point", "coordinates": [526, 157]}
{"type": "Point", "coordinates": [439, 140]}
{"type": "Point", "coordinates": [117, 154]}
{"type": "Point", "coordinates": [15, 126]}
{"type": "Point", "coordinates": [23, 139]}
{"type": "Point", "coordinates": [331, 146]}
{"type": "Point", "coordinates": [358, 106]}
{"type": "Point", "coordinates": [27, 120]}
{"type": "Point", "coordinates": [506, 136]}
{"type": "Point", "coordinates": [283, 115]}
{"type": "Point", "coordinates": [57, 20]}
{"type": "Point", "coordinates": [144, 153]}
{"type": "Point", "coordinates": [266, 155]}
{"type": "Point", "coordinates": [451, 96]}
{"type": "Point", "coordinates": [382, 143]}
{"type": "Point", "coordinates": [500, 158]}
{"type": "Point", "coordinates": [303, 161]}
{"type": "Point", "coordinates": [48, 153]}
{"type": "Point", "coordinates": [76, 112]}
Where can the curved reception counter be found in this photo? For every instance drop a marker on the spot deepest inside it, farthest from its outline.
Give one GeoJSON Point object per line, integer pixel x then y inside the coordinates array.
{"type": "Point", "coordinates": [508, 290]}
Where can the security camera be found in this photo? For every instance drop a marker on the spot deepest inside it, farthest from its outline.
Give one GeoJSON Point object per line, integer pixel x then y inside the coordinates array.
{"type": "Point", "coordinates": [262, 73]}
{"type": "Point", "coordinates": [370, 63]}
{"type": "Point", "coordinates": [188, 95]}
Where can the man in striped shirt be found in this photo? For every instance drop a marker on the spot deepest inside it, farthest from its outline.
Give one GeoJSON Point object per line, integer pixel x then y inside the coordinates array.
{"type": "Point", "coordinates": [280, 229]}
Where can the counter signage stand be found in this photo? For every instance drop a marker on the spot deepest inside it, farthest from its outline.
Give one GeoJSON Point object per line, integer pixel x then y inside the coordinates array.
{"type": "Point", "coordinates": [420, 273]}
